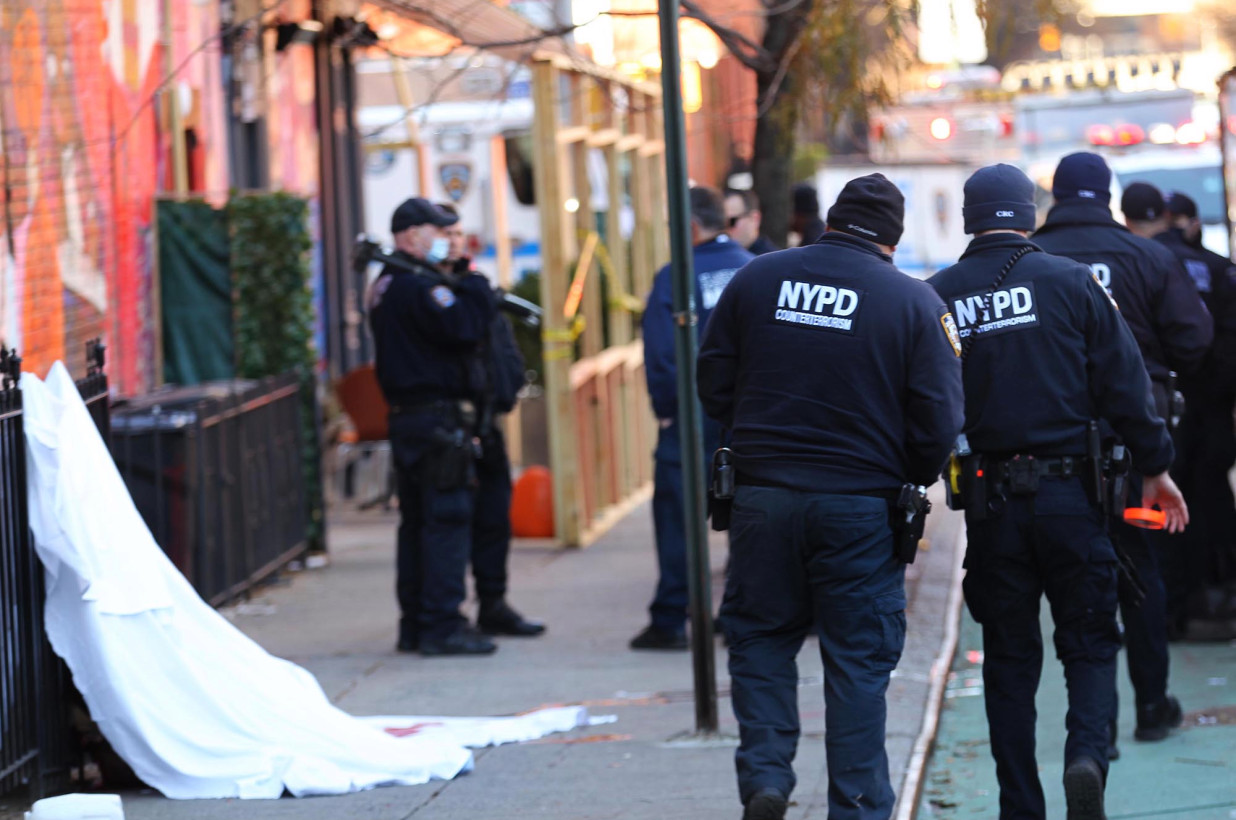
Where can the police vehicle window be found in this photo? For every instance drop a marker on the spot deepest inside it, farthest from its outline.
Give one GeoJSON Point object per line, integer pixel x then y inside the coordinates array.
{"type": "Point", "coordinates": [1204, 185]}
{"type": "Point", "coordinates": [519, 166]}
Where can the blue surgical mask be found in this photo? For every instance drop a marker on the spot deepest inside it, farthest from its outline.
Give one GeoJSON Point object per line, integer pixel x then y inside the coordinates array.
{"type": "Point", "coordinates": [439, 250]}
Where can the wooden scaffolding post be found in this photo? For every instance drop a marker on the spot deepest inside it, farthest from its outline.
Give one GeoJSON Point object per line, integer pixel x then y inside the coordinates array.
{"type": "Point", "coordinates": [558, 347]}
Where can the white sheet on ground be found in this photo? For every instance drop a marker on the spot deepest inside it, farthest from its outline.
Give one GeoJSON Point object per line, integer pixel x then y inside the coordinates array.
{"type": "Point", "coordinates": [192, 704]}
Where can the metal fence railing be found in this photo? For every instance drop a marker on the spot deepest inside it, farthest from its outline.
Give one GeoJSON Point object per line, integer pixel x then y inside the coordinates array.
{"type": "Point", "coordinates": [37, 749]}
{"type": "Point", "coordinates": [217, 473]}
{"type": "Point", "coordinates": [21, 619]}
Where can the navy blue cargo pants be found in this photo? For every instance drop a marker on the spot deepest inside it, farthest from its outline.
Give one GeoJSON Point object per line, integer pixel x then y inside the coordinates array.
{"type": "Point", "coordinates": [491, 519]}
{"type": "Point", "coordinates": [669, 606]}
{"type": "Point", "coordinates": [1052, 542]}
{"type": "Point", "coordinates": [1145, 624]}
{"type": "Point", "coordinates": [803, 563]}
{"type": "Point", "coordinates": [435, 534]}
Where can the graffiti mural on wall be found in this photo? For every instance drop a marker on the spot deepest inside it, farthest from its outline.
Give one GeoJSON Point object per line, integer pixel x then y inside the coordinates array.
{"type": "Point", "coordinates": [84, 152]}
{"type": "Point", "coordinates": [78, 146]}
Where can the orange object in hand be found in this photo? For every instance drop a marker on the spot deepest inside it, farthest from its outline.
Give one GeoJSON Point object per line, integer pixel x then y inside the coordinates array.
{"type": "Point", "coordinates": [532, 504]}
{"type": "Point", "coordinates": [1145, 517]}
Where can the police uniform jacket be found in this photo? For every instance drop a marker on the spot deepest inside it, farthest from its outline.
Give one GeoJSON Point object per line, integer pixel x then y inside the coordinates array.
{"type": "Point", "coordinates": [506, 366]}
{"type": "Point", "coordinates": [835, 372]}
{"type": "Point", "coordinates": [1215, 278]}
{"type": "Point", "coordinates": [1051, 353]}
{"type": "Point", "coordinates": [1172, 327]}
{"type": "Point", "coordinates": [716, 262]}
{"type": "Point", "coordinates": [761, 246]}
{"type": "Point", "coordinates": [427, 331]}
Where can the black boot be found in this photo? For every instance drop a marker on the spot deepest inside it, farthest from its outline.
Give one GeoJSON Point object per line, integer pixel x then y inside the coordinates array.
{"type": "Point", "coordinates": [409, 636]}
{"type": "Point", "coordinates": [1083, 790]}
{"type": "Point", "coordinates": [1154, 722]}
{"type": "Point", "coordinates": [766, 804]}
{"type": "Point", "coordinates": [498, 618]}
{"type": "Point", "coordinates": [463, 641]}
{"type": "Point", "coordinates": [654, 637]}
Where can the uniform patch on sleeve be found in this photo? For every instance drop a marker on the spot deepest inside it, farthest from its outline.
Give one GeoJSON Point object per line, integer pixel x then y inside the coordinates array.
{"type": "Point", "coordinates": [443, 296]}
{"type": "Point", "coordinates": [950, 330]}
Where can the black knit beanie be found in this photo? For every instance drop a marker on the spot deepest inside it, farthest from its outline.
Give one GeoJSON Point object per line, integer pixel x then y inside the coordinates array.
{"type": "Point", "coordinates": [871, 208]}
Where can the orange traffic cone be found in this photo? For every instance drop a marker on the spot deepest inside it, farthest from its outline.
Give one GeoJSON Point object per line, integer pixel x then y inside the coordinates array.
{"type": "Point", "coordinates": [532, 504]}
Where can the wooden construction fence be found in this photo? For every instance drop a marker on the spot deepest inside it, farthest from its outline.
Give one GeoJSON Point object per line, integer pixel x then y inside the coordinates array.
{"type": "Point", "coordinates": [601, 429]}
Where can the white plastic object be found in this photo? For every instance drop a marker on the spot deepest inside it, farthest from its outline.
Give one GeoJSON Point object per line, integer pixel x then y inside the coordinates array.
{"type": "Point", "coordinates": [77, 807]}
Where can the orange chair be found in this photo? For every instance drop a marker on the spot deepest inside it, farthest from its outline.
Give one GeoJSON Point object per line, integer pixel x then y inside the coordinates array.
{"type": "Point", "coordinates": [365, 405]}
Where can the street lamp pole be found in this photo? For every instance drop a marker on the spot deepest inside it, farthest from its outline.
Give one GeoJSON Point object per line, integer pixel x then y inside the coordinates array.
{"type": "Point", "coordinates": [690, 417]}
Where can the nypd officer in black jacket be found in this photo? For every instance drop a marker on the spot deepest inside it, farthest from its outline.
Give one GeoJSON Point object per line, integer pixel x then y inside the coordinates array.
{"type": "Point", "coordinates": [1173, 329]}
{"type": "Point", "coordinates": [491, 509]}
{"type": "Point", "coordinates": [428, 329]}
{"type": "Point", "coordinates": [1205, 440]}
{"type": "Point", "coordinates": [839, 380]}
{"type": "Point", "coordinates": [1044, 352]}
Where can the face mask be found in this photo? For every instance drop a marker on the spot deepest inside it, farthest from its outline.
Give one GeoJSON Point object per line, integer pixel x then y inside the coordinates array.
{"type": "Point", "coordinates": [439, 250]}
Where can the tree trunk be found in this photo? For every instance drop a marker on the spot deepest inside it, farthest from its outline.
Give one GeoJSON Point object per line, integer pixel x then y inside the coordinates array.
{"type": "Point", "coordinates": [772, 157]}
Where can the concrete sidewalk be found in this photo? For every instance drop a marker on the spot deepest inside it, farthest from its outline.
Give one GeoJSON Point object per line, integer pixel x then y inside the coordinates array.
{"type": "Point", "coordinates": [1191, 774]}
{"type": "Point", "coordinates": [339, 622]}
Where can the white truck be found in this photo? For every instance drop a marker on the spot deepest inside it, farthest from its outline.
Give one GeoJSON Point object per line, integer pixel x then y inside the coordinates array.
{"type": "Point", "coordinates": [934, 237]}
{"type": "Point", "coordinates": [477, 156]}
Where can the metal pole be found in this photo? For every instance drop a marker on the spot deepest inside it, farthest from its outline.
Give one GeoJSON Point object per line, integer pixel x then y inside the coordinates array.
{"type": "Point", "coordinates": [703, 659]}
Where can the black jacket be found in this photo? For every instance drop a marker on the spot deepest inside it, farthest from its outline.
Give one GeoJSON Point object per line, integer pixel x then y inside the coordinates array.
{"type": "Point", "coordinates": [761, 246]}
{"type": "Point", "coordinates": [1156, 297]}
{"type": "Point", "coordinates": [506, 373]}
{"type": "Point", "coordinates": [833, 370]}
{"type": "Point", "coordinates": [1052, 354]}
{"type": "Point", "coordinates": [427, 334]}
{"type": "Point", "coordinates": [1215, 277]}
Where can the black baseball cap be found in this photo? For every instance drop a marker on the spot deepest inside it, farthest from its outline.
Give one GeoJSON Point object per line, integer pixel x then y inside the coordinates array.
{"type": "Point", "coordinates": [419, 211]}
{"type": "Point", "coordinates": [1142, 201]}
{"type": "Point", "coordinates": [1179, 204]}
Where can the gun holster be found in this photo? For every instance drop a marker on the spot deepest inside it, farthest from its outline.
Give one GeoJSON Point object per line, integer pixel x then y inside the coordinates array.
{"type": "Point", "coordinates": [721, 489]}
{"type": "Point", "coordinates": [910, 521]}
{"type": "Point", "coordinates": [451, 462]}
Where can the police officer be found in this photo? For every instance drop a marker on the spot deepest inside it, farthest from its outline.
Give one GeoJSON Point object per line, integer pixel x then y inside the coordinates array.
{"type": "Point", "coordinates": [837, 377]}
{"type": "Point", "coordinates": [1173, 330]}
{"type": "Point", "coordinates": [1044, 349]}
{"type": "Point", "coordinates": [805, 214]}
{"type": "Point", "coordinates": [427, 330]}
{"type": "Point", "coordinates": [491, 510]}
{"type": "Point", "coordinates": [1205, 440]}
{"type": "Point", "coordinates": [742, 213]}
{"type": "Point", "coordinates": [716, 258]}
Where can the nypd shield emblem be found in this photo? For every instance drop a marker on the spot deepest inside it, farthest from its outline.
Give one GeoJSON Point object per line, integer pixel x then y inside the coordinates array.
{"type": "Point", "coordinates": [455, 177]}
{"type": "Point", "coordinates": [950, 330]}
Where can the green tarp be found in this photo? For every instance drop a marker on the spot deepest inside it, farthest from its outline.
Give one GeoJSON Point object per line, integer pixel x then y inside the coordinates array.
{"type": "Point", "coordinates": [196, 287]}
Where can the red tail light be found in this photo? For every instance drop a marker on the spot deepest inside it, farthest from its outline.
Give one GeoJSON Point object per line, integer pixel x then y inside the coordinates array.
{"type": "Point", "coordinates": [1101, 135]}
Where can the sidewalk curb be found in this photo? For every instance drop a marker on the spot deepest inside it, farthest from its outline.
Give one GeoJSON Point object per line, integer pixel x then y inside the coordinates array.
{"type": "Point", "coordinates": [912, 785]}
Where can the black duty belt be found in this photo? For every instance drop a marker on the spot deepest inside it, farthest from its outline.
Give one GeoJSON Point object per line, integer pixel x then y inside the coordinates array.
{"type": "Point", "coordinates": [746, 480]}
{"type": "Point", "coordinates": [1057, 466]}
{"type": "Point", "coordinates": [460, 410]}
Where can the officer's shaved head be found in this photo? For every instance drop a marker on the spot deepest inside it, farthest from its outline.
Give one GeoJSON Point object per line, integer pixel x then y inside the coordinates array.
{"type": "Point", "coordinates": [707, 209]}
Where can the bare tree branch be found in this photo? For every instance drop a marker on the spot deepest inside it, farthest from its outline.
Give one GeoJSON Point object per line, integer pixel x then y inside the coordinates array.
{"type": "Point", "coordinates": [765, 105]}
{"type": "Point", "coordinates": [744, 49]}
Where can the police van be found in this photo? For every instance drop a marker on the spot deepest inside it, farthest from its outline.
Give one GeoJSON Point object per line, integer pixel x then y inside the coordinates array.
{"type": "Point", "coordinates": [476, 155]}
